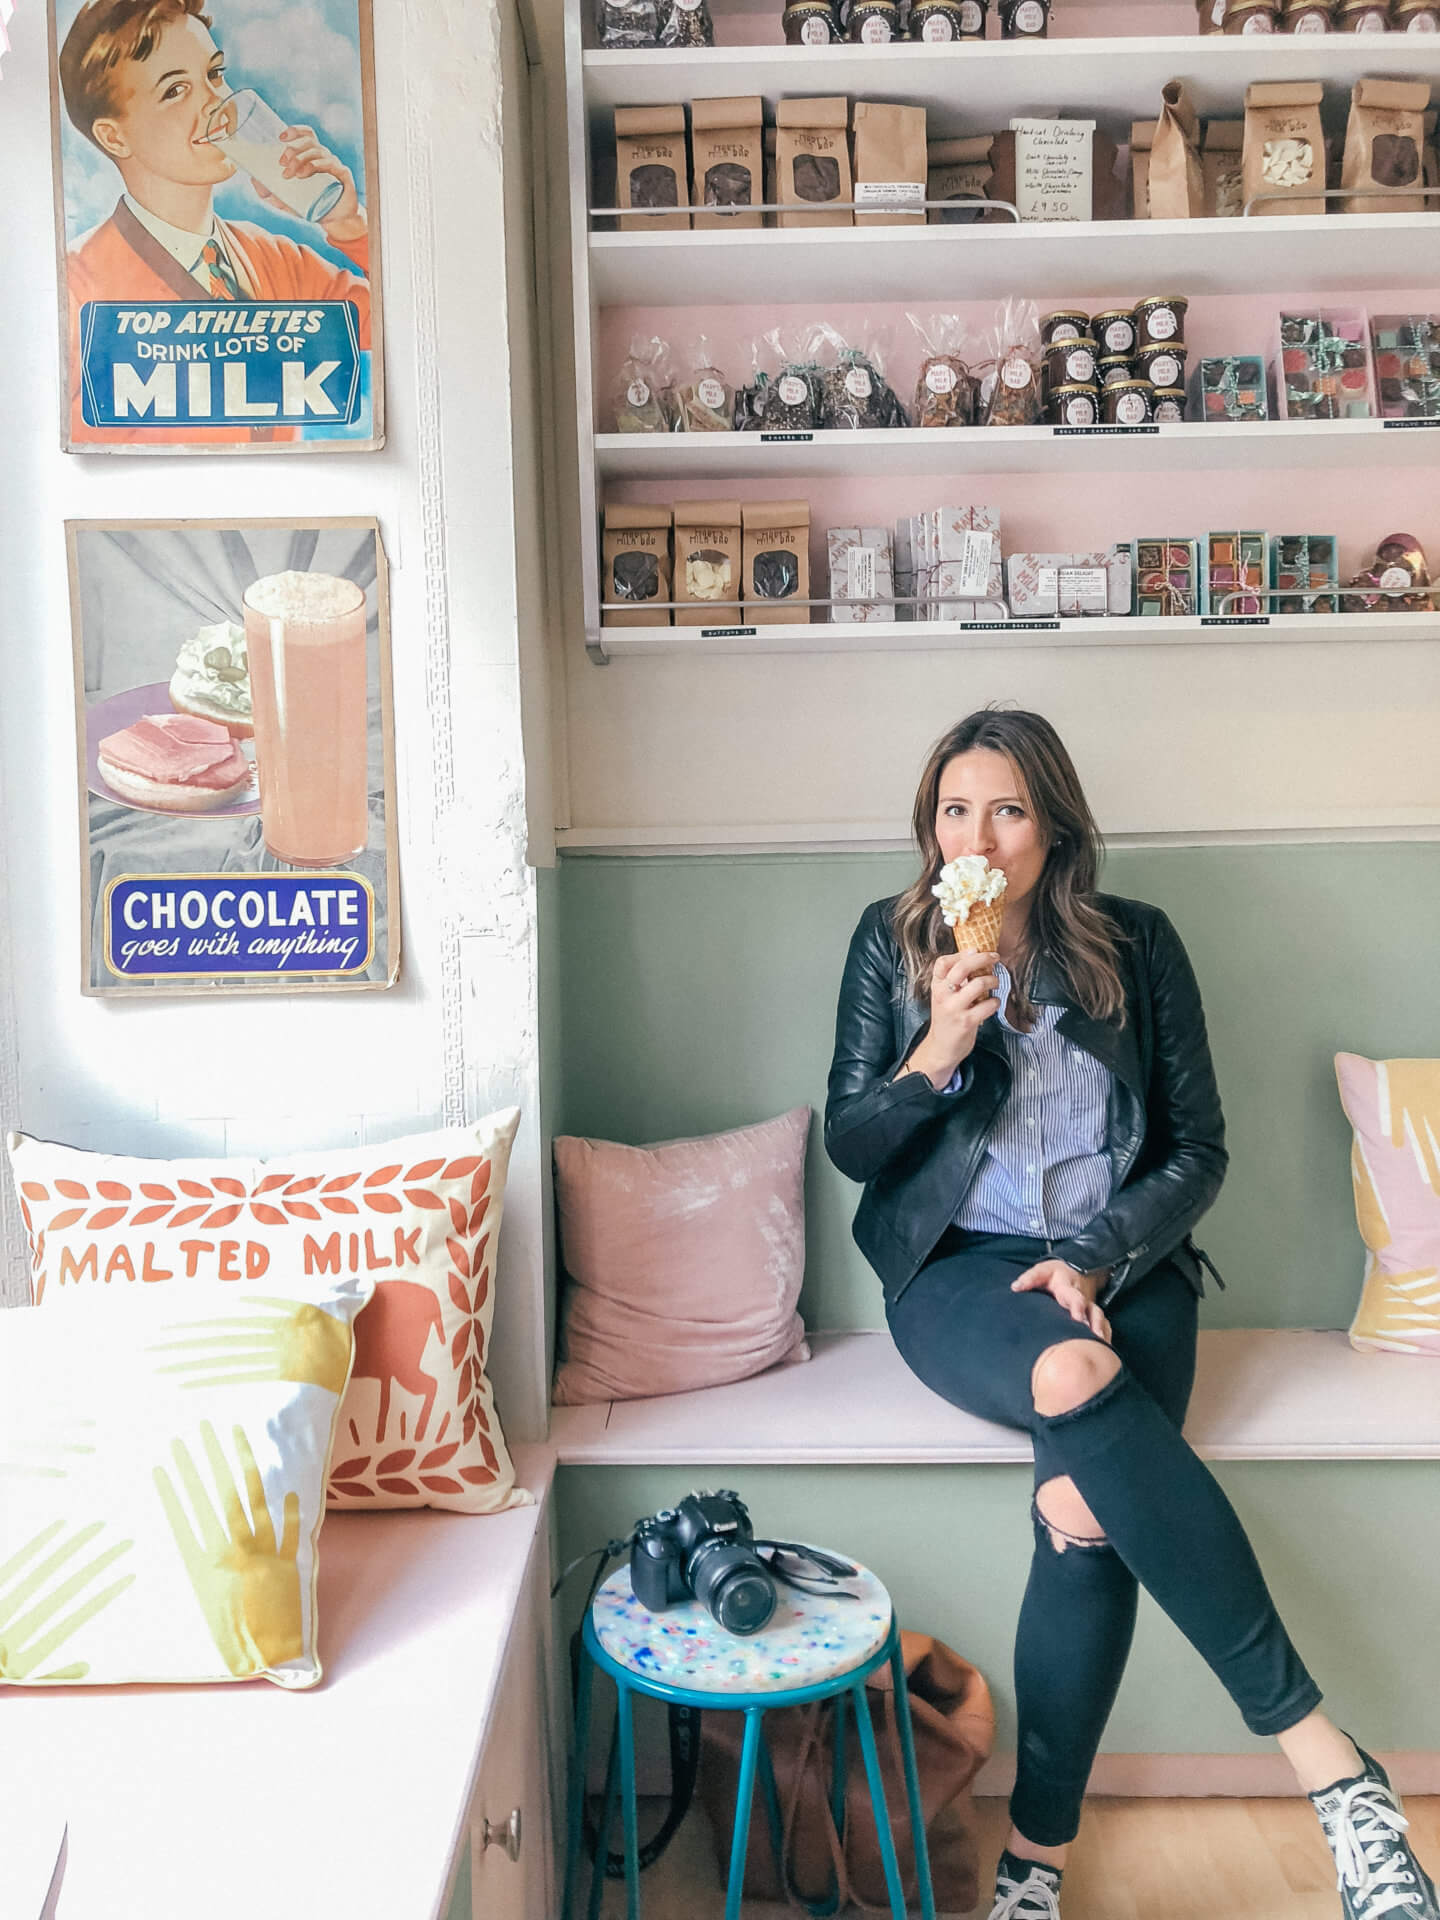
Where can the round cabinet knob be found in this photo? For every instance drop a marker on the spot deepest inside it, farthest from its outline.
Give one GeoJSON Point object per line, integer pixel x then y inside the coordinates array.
{"type": "Point", "coordinates": [506, 1836]}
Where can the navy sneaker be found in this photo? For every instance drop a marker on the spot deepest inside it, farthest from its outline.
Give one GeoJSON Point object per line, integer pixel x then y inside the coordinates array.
{"type": "Point", "coordinates": [1379, 1875]}
{"type": "Point", "coordinates": [1025, 1890]}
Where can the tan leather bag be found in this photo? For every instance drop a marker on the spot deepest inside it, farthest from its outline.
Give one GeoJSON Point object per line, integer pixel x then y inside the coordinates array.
{"type": "Point", "coordinates": [954, 1724]}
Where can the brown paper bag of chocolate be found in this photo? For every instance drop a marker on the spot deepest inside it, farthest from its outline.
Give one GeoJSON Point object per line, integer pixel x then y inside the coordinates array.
{"type": "Point", "coordinates": [958, 167]}
{"type": "Point", "coordinates": [1222, 164]}
{"type": "Point", "coordinates": [635, 553]}
{"type": "Point", "coordinates": [776, 550]}
{"type": "Point", "coordinates": [707, 563]}
{"type": "Point", "coordinates": [1284, 151]}
{"type": "Point", "coordinates": [1177, 186]}
{"type": "Point", "coordinates": [890, 164]}
{"type": "Point", "coordinates": [1142, 136]}
{"type": "Point", "coordinates": [726, 170]}
{"type": "Point", "coordinates": [1385, 145]}
{"type": "Point", "coordinates": [812, 161]}
{"type": "Point", "coordinates": [650, 166]}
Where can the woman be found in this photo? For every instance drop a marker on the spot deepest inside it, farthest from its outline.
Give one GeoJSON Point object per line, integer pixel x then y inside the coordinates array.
{"type": "Point", "coordinates": [1037, 1131]}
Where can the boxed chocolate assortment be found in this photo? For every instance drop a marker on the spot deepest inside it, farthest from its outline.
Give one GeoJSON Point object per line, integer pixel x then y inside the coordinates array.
{"type": "Point", "coordinates": [1304, 572]}
{"type": "Point", "coordinates": [1231, 387]}
{"type": "Point", "coordinates": [727, 147]}
{"type": "Point", "coordinates": [1167, 578]}
{"type": "Point", "coordinates": [651, 166]}
{"type": "Point", "coordinates": [1069, 586]}
{"type": "Point", "coordinates": [1407, 365]}
{"type": "Point", "coordinates": [812, 162]}
{"type": "Point", "coordinates": [1234, 566]}
{"type": "Point", "coordinates": [776, 554]}
{"type": "Point", "coordinates": [707, 563]}
{"type": "Point", "coordinates": [862, 574]}
{"type": "Point", "coordinates": [890, 164]}
{"type": "Point", "coordinates": [1322, 369]}
{"type": "Point", "coordinates": [635, 553]}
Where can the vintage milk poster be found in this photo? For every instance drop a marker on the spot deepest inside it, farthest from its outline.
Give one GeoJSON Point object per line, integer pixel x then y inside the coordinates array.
{"type": "Point", "coordinates": [216, 216]}
{"type": "Point", "coordinates": [237, 789]}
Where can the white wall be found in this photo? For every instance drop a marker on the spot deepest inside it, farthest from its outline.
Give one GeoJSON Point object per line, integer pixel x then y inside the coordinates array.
{"type": "Point", "coordinates": [458, 1035]}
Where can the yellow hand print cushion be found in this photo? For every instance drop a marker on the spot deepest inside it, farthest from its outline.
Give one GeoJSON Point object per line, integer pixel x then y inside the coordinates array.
{"type": "Point", "coordinates": [162, 1481]}
{"type": "Point", "coordinates": [419, 1218]}
{"type": "Point", "coordinates": [1394, 1107]}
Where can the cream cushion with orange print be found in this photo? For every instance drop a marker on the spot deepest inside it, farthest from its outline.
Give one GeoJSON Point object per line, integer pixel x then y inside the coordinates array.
{"type": "Point", "coordinates": [162, 1480]}
{"type": "Point", "coordinates": [1394, 1107]}
{"type": "Point", "coordinates": [419, 1218]}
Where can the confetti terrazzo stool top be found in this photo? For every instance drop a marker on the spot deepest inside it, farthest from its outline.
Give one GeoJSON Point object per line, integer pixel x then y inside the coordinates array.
{"type": "Point", "coordinates": [816, 1646]}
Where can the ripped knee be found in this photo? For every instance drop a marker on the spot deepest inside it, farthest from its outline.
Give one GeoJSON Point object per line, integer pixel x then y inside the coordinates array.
{"type": "Point", "coordinates": [1070, 1373]}
{"type": "Point", "coordinates": [1066, 1517]}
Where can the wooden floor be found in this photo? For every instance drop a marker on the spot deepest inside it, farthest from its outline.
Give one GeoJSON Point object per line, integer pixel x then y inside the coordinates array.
{"type": "Point", "coordinates": [1133, 1860]}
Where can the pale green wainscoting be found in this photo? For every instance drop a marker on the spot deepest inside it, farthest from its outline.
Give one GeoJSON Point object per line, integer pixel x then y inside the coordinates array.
{"type": "Point", "coordinates": [698, 993]}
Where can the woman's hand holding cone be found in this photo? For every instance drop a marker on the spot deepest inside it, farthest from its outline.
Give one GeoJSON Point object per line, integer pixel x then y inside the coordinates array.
{"type": "Point", "coordinates": [963, 996]}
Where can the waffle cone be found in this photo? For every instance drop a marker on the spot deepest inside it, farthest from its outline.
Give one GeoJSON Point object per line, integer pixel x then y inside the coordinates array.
{"type": "Point", "coordinates": [981, 932]}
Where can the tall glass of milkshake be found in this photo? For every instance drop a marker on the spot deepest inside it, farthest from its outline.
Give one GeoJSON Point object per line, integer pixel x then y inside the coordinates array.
{"type": "Point", "coordinates": [306, 638]}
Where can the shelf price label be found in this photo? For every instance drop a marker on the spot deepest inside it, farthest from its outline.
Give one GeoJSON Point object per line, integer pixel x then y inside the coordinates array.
{"type": "Point", "coordinates": [1009, 626]}
{"type": "Point", "coordinates": [1235, 620]}
{"type": "Point", "coordinates": [1093, 432]}
{"type": "Point", "coordinates": [1402, 424]}
{"type": "Point", "coordinates": [728, 633]}
{"type": "Point", "coordinates": [786, 436]}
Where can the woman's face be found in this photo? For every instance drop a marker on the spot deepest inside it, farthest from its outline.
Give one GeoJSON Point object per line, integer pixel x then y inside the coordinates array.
{"type": "Point", "coordinates": [982, 809]}
{"type": "Point", "coordinates": [166, 101]}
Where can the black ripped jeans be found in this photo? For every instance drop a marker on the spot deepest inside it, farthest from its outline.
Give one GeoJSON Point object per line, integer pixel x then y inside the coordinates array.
{"type": "Point", "coordinates": [1167, 1524]}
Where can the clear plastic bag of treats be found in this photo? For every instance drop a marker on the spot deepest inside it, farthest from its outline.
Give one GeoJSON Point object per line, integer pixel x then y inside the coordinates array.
{"type": "Point", "coordinates": [627, 23]}
{"type": "Point", "coordinates": [686, 23]}
{"type": "Point", "coordinates": [704, 398]}
{"type": "Point", "coordinates": [1014, 391]}
{"type": "Point", "coordinates": [641, 394]}
{"type": "Point", "coordinates": [946, 387]}
{"type": "Point", "coordinates": [854, 391]}
{"type": "Point", "coordinates": [1401, 571]}
{"type": "Point", "coordinates": [785, 392]}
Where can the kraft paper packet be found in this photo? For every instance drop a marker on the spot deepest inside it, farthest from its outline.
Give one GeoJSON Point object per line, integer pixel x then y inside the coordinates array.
{"type": "Point", "coordinates": [891, 165]}
{"type": "Point", "coordinates": [812, 161]}
{"type": "Point", "coordinates": [1142, 138]}
{"type": "Point", "coordinates": [726, 153]}
{"type": "Point", "coordinates": [707, 563]}
{"type": "Point", "coordinates": [1284, 150]}
{"type": "Point", "coordinates": [636, 561]}
{"type": "Point", "coordinates": [958, 167]}
{"type": "Point", "coordinates": [650, 166]}
{"type": "Point", "coordinates": [1222, 164]}
{"type": "Point", "coordinates": [777, 563]}
{"type": "Point", "coordinates": [1177, 185]}
{"type": "Point", "coordinates": [1385, 145]}
{"type": "Point", "coordinates": [1107, 188]}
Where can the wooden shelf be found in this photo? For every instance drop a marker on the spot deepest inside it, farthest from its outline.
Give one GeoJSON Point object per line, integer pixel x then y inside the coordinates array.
{"type": "Point", "coordinates": [946, 636]}
{"type": "Point", "coordinates": [1333, 253]}
{"type": "Point", "coordinates": [1191, 447]}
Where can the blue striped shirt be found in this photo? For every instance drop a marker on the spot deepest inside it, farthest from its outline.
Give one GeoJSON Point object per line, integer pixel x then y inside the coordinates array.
{"type": "Point", "coordinates": [1045, 1173]}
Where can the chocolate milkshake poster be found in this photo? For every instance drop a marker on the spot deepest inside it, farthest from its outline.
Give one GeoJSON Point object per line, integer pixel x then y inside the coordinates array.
{"type": "Point", "coordinates": [236, 761]}
{"type": "Point", "coordinates": [216, 220]}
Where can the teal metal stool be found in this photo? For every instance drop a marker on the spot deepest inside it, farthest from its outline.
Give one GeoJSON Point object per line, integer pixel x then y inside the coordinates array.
{"type": "Point", "coordinates": [817, 1646]}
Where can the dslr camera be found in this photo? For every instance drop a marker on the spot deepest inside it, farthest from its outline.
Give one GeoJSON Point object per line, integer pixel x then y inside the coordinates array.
{"type": "Point", "coordinates": [704, 1549]}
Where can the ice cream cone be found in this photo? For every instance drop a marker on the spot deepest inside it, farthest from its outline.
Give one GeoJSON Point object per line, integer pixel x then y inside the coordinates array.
{"type": "Point", "coordinates": [980, 933]}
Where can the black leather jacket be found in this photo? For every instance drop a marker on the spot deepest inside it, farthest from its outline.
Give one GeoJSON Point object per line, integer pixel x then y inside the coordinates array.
{"type": "Point", "coordinates": [916, 1150]}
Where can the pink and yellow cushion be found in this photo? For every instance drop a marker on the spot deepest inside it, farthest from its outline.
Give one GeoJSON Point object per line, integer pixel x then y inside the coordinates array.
{"type": "Point", "coordinates": [418, 1218]}
{"type": "Point", "coordinates": [162, 1480]}
{"type": "Point", "coordinates": [1394, 1108]}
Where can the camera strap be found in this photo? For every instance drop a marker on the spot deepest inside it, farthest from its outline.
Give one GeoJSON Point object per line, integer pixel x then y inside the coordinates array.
{"type": "Point", "coordinates": [829, 1569]}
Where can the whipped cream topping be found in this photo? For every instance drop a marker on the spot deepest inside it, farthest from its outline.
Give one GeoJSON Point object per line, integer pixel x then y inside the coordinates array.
{"type": "Point", "coordinates": [215, 667]}
{"type": "Point", "coordinates": [304, 596]}
{"type": "Point", "coordinates": [968, 882]}
{"type": "Point", "coordinates": [178, 750]}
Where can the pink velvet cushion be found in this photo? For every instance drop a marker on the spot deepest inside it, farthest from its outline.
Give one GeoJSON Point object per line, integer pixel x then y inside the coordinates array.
{"type": "Point", "coordinates": [1394, 1107]}
{"type": "Point", "coordinates": [684, 1260]}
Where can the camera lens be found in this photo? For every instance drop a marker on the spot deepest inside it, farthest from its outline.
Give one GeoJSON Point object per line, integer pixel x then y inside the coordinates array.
{"type": "Point", "coordinates": [731, 1580]}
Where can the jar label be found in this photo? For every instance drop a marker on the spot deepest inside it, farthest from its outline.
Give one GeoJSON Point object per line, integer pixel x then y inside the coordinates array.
{"type": "Point", "coordinates": [1028, 17]}
{"type": "Point", "coordinates": [1166, 409]}
{"type": "Point", "coordinates": [1162, 323]}
{"type": "Point", "coordinates": [938, 27]}
{"type": "Point", "coordinates": [1217, 12]}
{"type": "Point", "coordinates": [1130, 410]}
{"type": "Point", "coordinates": [940, 379]}
{"type": "Point", "coordinates": [1079, 410]}
{"type": "Point", "coordinates": [1016, 372]}
{"type": "Point", "coordinates": [712, 393]}
{"type": "Point", "coordinates": [858, 384]}
{"type": "Point", "coordinates": [814, 33]}
{"type": "Point", "coordinates": [1312, 23]}
{"type": "Point", "coordinates": [1397, 578]}
{"type": "Point", "coordinates": [1163, 370]}
{"type": "Point", "coordinates": [875, 31]}
{"type": "Point", "coordinates": [1064, 330]}
{"type": "Point", "coordinates": [1080, 366]}
{"type": "Point", "coordinates": [1259, 23]}
{"type": "Point", "coordinates": [637, 393]}
{"type": "Point", "coordinates": [972, 16]}
{"type": "Point", "coordinates": [1422, 23]}
{"type": "Point", "coordinates": [792, 390]}
{"type": "Point", "coordinates": [1119, 336]}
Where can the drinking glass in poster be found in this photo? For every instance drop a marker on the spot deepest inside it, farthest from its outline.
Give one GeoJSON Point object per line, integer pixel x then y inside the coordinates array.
{"type": "Point", "coordinates": [235, 756]}
{"type": "Point", "coordinates": [216, 205]}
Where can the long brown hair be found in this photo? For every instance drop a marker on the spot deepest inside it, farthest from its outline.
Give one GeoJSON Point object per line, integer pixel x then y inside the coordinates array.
{"type": "Point", "coordinates": [1064, 923]}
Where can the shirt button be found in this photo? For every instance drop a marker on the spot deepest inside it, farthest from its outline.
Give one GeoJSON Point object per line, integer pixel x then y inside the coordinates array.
{"type": "Point", "coordinates": [1036, 1225]}
{"type": "Point", "coordinates": [1029, 1169]}
{"type": "Point", "coordinates": [1030, 1122]}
